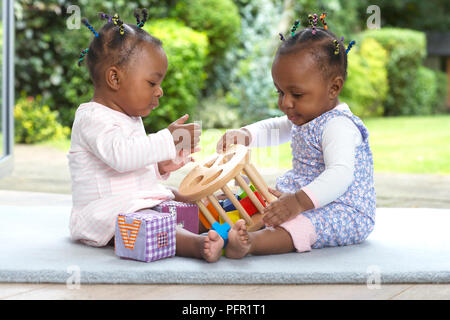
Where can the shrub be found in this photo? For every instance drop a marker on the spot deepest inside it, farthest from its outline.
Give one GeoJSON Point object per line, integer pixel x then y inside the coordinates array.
{"type": "Point", "coordinates": [366, 87]}
{"type": "Point", "coordinates": [442, 94]}
{"type": "Point", "coordinates": [35, 122]}
{"type": "Point", "coordinates": [186, 51]}
{"type": "Point", "coordinates": [221, 22]}
{"type": "Point", "coordinates": [431, 97]}
{"type": "Point", "coordinates": [48, 66]}
{"type": "Point", "coordinates": [406, 51]}
{"type": "Point", "coordinates": [216, 113]}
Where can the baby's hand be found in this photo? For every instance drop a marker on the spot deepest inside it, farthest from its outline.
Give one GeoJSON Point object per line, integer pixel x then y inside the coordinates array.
{"type": "Point", "coordinates": [281, 210]}
{"type": "Point", "coordinates": [185, 136]}
{"type": "Point", "coordinates": [233, 136]}
{"type": "Point", "coordinates": [172, 165]}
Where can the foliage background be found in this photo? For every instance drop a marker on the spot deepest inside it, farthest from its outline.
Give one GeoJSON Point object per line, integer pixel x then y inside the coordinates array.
{"type": "Point", "coordinates": [220, 54]}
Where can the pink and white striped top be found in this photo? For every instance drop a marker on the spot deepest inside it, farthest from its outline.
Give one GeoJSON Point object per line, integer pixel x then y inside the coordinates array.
{"type": "Point", "coordinates": [113, 166]}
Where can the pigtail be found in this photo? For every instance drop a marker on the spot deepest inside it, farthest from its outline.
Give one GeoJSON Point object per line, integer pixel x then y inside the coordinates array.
{"type": "Point", "coordinates": [336, 47]}
{"type": "Point", "coordinates": [350, 45]}
{"type": "Point", "coordinates": [86, 23]}
{"type": "Point", "coordinates": [105, 16]}
{"type": "Point", "coordinates": [140, 23]}
{"type": "Point", "coordinates": [82, 55]}
{"type": "Point", "coordinates": [322, 19]}
{"type": "Point", "coordinates": [294, 27]}
{"type": "Point", "coordinates": [119, 23]}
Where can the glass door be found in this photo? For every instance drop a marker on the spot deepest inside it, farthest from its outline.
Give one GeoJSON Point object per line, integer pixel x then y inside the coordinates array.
{"type": "Point", "coordinates": [7, 86]}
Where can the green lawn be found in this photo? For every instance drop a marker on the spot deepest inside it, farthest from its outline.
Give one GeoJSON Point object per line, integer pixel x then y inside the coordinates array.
{"type": "Point", "coordinates": [399, 144]}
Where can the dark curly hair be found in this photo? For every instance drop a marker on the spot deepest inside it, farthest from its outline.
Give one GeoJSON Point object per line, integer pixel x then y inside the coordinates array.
{"type": "Point", "coordinates": [321, 46]}
{"type": "Point", "coordinates": [115, 44]}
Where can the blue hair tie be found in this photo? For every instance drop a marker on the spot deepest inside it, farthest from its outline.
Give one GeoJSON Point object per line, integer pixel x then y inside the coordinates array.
{"type": "Point", "coordinates": [350, 45]}
{"type": "Point", "coordinates": [86, 23]}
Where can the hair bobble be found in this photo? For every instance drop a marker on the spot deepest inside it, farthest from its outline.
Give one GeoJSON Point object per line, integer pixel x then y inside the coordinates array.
{"type": "Point", "coordinates": [315, 20]}
{"type": "Point", "coordinates": [322, 19]}
{"type": "Point", "coordinates": [118, 22]}
{"type": "Point", "coordinates": [336, 47]}
{"type": "Point", "coordinates": [86, 23]}
{"type": "Point", "coordinates": [282, 37]}
{"type": "Point", "coordinates": [294, 27]}
{"type": "Point", "coordinates": [82, 55]}
{"type": "Point", "coordinates": [105, 16]}
{"type": "Point", "coordinates": [350, 45]}
{"type": "Point", "coordinates": [140, 23]}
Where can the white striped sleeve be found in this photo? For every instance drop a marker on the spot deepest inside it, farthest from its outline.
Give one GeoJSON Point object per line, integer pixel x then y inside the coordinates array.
{"type": "Point", "coordinates": [127, 153]}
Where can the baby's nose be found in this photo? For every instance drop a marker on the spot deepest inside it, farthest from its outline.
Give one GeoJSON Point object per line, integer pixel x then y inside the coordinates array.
{"type": "Point", "coordinates": [160, 92]}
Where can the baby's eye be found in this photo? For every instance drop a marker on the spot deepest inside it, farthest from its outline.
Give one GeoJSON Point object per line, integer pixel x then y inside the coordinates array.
{"type": "Point", "coordinates": [152, 84]}
{"type": "Point", "coordinates": [279, 92]}
{"type": "Point", "coordinates": [297, 95]}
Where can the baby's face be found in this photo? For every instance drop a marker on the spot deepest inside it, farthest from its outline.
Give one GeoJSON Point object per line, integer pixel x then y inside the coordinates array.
{"type": "Point", "coordinates": [303, 94]}
{"type": "Point", "coordinates": [141, 88]}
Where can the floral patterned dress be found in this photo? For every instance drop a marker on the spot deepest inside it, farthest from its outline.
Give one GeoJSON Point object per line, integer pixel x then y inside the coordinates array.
{"type": "Point", "coordinates": [350, 218]}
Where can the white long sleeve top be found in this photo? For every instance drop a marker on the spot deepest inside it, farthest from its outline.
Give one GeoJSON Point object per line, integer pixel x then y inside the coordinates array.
{"type": "Point", "coordinates": [340, 139]}
{"type": "Point", "coordinates": [113, 166]}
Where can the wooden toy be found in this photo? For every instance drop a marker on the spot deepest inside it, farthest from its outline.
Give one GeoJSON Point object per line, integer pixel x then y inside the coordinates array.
{"type": "Point", "coordinates": [214, 174]}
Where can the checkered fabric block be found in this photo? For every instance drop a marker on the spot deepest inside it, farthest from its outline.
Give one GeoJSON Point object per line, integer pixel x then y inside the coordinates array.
{"type": "Point", "coordinates": [146, 235]}
{"type": "Point", "coordinates": [187, 213]}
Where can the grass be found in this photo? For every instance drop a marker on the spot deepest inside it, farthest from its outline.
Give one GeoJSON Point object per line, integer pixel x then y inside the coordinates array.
{"type": "Point", "coordinates": [399, 144]}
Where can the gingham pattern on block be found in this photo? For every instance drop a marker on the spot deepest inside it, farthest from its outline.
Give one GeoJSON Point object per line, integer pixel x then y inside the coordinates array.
{"type": "Point", "coordinates": [166, 224]}
{"type": "Point", "coordinates": [156, 238]}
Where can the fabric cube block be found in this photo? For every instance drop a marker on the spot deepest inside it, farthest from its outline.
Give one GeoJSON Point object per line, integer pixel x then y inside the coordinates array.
{"type": "Point", "coordinates": [146, 235]}
{"type": "Point", "coordinates": [187, 213]}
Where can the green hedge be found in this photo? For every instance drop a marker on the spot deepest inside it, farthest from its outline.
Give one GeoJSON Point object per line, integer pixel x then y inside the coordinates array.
{"type": "Point", "coordinates": [406, 51]}
{"type": "Point", "coordinates": [186, 51]}
{"type": "Point", "coordinates": [35, 122]}
{"type": "Point", "coordinates": [221, 22]}
{"type": "Point", "coordinates": [367, 85]}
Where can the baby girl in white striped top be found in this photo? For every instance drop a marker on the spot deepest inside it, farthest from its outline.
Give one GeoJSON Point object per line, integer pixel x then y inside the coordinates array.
{"type": "Point", "coordinates": [115, 166]}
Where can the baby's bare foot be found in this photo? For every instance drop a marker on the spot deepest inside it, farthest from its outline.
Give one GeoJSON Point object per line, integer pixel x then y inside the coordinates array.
{"type": "Point", "coordinates": [238, 241]}
{"type": "Point", "coordinates": [212, 246]}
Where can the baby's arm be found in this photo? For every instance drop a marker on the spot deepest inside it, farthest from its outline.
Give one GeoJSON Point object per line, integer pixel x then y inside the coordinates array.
{"type": "Point", "coordinates": [340, 139]}
{"type": "Point", "coordinates": [269, 132]}
{"type": "Point", "coordinates": [264, 133]}
{"type": "Point", "coordinates": [127, 153]}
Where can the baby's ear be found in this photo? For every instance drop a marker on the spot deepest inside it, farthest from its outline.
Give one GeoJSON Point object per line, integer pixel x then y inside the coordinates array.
{"type": "Point", "coordinates": [336, 86]}
{"type": "Point", "coordinates": [113, 78]}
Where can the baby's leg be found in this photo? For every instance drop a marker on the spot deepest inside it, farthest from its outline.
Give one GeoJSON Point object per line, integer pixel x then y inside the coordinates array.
{"type": "Point", "coordinates": [207, 247]}
{"type": "Point", "coordinates": [266, 241]}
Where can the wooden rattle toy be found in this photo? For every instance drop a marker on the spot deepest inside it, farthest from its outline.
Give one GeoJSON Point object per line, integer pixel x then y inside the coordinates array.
{"type": "Point", "coordinates": [214, 174]}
